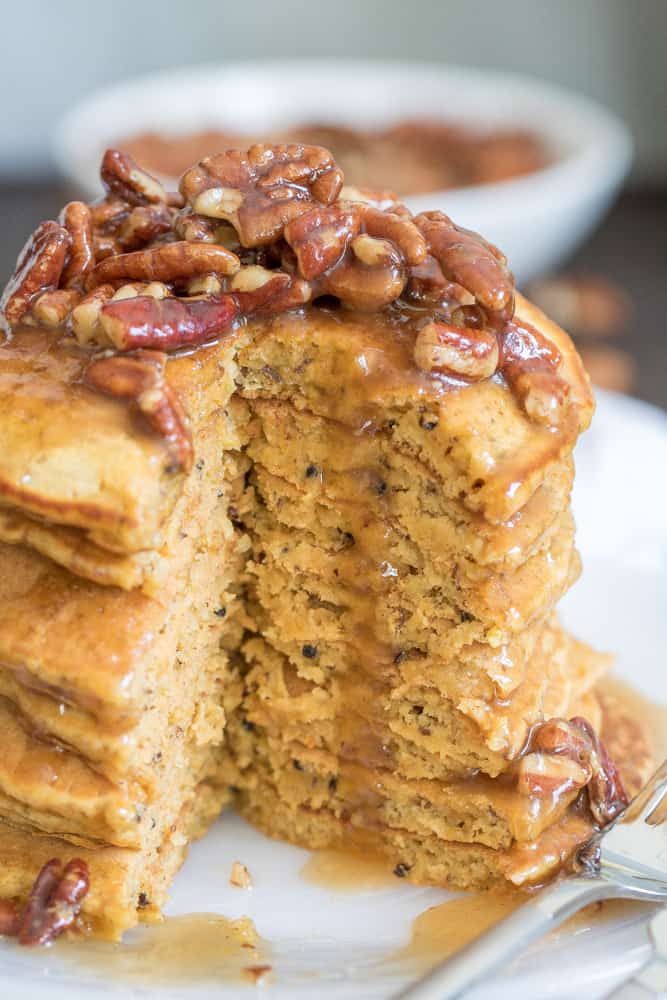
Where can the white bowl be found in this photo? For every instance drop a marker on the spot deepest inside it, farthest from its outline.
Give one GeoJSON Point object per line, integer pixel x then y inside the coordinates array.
{"type": "Point", "coordinates": [537, 220]}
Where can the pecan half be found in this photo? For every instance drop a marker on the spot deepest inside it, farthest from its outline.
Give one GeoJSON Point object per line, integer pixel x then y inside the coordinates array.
{"type": "Point", "coordinates": [54, 902]}
{"type": "Point", "coordinates": [140, 379]}
{"type": "Point", "coordinates": [122, 177]}
{"type": "Point", "coordinates": [529, 362]}
{"type": "Point", "coordinates": [167, 323]}
{"type": "Point", "coordinates": [442, 348]}
{"type": "Point", "coordinates": [77, 220]}
{"type": "Point", "coordinates": [38, 269]}
{"type": "Point", "coordinates": [467, 259]}
{"type": "Point", "coordinates": [169, 262]}
{"type": "Point", "coordinates": [261, 191]}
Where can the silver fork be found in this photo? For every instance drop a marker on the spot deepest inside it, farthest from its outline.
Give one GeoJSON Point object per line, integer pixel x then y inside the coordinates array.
{"type": "Point", "coordinates": [626, 860]}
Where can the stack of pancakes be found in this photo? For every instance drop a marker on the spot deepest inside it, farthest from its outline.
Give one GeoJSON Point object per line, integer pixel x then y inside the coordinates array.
{"type": "Point", "coordinates": [340, 615]}
{"type": "Point", "coordinates": [344, 613]}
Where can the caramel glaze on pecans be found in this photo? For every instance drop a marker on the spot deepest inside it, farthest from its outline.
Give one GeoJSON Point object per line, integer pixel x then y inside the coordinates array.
{"type": "Point", "coordinates": [563, 756]}
{"type": "Point", "coordinates": [53, 904]}
{"type": "Point", "coordinates": [259, 233]}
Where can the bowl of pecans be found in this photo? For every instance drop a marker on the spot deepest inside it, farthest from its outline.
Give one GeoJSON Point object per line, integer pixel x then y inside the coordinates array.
{"type": "Point", "coordinates": [527, 163]}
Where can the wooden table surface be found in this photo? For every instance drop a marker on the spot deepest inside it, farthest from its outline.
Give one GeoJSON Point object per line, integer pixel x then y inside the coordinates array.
{"type": "Point", "coordinates": [629, 248]}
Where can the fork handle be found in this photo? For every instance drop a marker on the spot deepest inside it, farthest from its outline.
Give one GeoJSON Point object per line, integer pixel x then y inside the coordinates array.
{"type": "Point", "coordinates": [546, 910]}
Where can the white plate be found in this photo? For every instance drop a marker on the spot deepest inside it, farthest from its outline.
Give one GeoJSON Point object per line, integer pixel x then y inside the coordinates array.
{"type": "Point", "coordinates": [335, 944]}
{"type": "Point", "coordinates": [536, 220]}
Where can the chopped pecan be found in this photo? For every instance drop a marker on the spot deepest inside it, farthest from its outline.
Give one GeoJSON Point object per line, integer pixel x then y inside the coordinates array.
{"type": "Point", "coordinates": [525, 349]}
{"type": "Point", "coordinates": [54, 902]}
{"type": "Point", "coordinates": [198, 228]}
{"type": "Point", "coordinates": [240, 877]}
{"type": "Point", "coordinates": [258, 290]}
{"type": "Point", "coordinates": [122, 177]}
{"type": "Point", "coordinates": [38, 269]}
{"type": "Point", "coordinates": [400, 230]}
{"type": "Point", "coordinates": [140, 378]}
{"type": "Point", "coordinates": [427, 284]}
{"type": "Point", "coordinates": [365, 286]}
{"type": "Point", "coordinates": [108, 213]}
{"type": "Point", "coordinates": [261, 191]}
{"type": "Point", "coordinates": [550, 776]}
{"type": "Point", "coordinates": [320, 237]}
{"type": "Point", "coordinates": [460, 351]}
{"type": "Point", "coordinates": [166, 324]}
{"type": "Point", "coordinates": [467, 259]}
{"type": "Point", "coordinates": [105, 246]}
{"type": "Point", "coordinates": [76, 218]}
{"type": "Point", "coordinates": [355, 252]}
{"type": "Point", "coordinates": [143, 225]}
{"type": "Point", "coordinates": [529, 363]}
{"type": "Point", "coordinates": [563, 756]}
{"type": "Point", "coordinates": [606, 794]}
{"type": "Point", "coordinates": [53, 308]}
{"type": "Point", "coordinates": [84, 319]}
{"type": "Point", "coordinates": [545, 396]}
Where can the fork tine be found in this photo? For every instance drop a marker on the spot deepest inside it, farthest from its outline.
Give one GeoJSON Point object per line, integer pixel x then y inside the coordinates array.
{"type": "Point", "coordinates": [650, 797]}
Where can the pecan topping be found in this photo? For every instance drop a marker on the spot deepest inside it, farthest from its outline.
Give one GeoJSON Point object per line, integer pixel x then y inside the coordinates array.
{"type": "Point", "coordinates": [84, 319]}
{"type": "Point", "coordinates": [467, 259]}
{"type": "Point", "coordinates": [143, 225]}
{"type": "Point", "coordinates": [452, 350]}
{"type": "Point", "coordinates": [122, 177]}
{"type": "Point", "coordinates": [320, 237]}
{"type": "Point", "coordinates": [261, 191]}
{"type": "Point", "coordinates": [76, 218]}
{"type": "Point", "coordinates": [267, 231]}
{"type": "Point", "coordinates": [53, 308]}
{"type": "Point", "coordinates": [529, 363]}
{"type": "Point", "coordinates": [38, 270]}
{"type": "Point", "coordinates": [606, 794]}
{"type": "Point", "coordinates": [53, 905]}
{"type": "Point", "coordinates": [144, 321]}
{"type": "Point", "coordinates": [168, 262]}
{"type": "Point", "coordinates": [563, 756]}
{"type": "Point", "coordinates": [258, 290]}
{"type": "Point", "coordinates": [356, 252]}
{"type": "Point", "coordinates": [545, 396]}
{"type": "Point", "coordinates": [397, 229]}
{"type": "Point", "coordinates": [140, 379]}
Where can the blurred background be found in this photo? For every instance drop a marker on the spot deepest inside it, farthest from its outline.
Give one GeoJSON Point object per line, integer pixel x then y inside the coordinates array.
{"type": "Point", "coordinates": [610, 291]}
